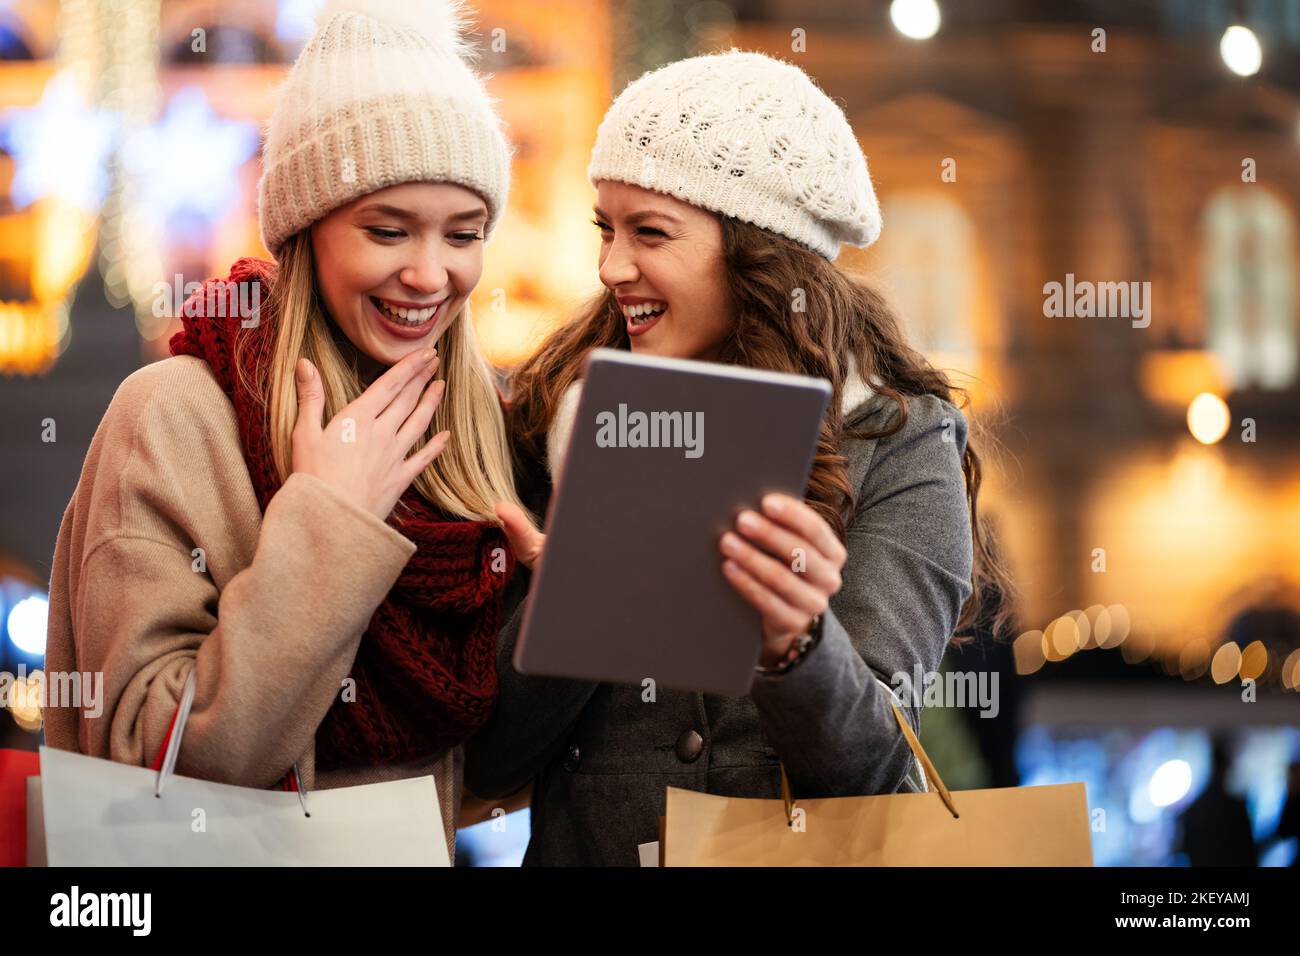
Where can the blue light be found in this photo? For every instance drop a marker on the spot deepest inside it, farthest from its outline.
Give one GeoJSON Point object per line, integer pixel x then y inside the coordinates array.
{"type": "Point", "coordinates": [186, 164]}
{"type": "Point", "coordinates": [60, 147]}
{"type": "Point", "coordinates": [27, 624]}
{"type": "Point", "coordinates": [295, 20]}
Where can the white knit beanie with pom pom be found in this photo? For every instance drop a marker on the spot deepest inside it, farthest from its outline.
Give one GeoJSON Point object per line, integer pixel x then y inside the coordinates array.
{"type": "Point", "coordinates": [383, 93]}
{"type": "Point", "coordinates": [748, 136]}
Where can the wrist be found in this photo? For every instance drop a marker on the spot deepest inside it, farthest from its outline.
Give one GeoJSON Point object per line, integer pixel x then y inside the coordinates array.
{"type": "Point", "coordinates": [796, 650]}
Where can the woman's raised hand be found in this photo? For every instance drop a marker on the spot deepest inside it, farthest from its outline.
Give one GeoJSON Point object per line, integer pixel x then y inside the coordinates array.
{"type": "Point", "coordinates": [362, 452]}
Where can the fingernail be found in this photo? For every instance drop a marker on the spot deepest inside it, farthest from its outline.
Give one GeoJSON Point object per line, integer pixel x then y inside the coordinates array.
{"type": "Point", "coordinates": [303, 371]}
{"type": "Point", "coordinates": [427, 354]}
{"type": "Point", "coordinates": [773, 504]}
{"type": "Point", "coordinates": [730, 543]}
{"type": "Point", "coordinates": [748, 521]}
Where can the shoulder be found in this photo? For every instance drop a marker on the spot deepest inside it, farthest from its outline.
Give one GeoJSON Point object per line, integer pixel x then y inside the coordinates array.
{"type": "Point", "coordinates": [168, 440]}
{"type": "Point", "coordinates": [172, 408]}
{"type": "Point", "coordinates": [925, 417]}
{"type": "Point", "coordinates": [179, 388]}
{"type": "Point", "coordinates": [183, 381]}
{"type": "Point", "coordinates": [919, 467]}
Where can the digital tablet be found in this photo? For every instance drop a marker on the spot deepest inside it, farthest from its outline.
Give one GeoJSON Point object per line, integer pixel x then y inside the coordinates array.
{"type": "Point", "coordinates": [662, 457]}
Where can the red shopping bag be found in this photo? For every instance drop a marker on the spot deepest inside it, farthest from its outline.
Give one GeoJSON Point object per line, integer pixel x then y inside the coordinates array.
{"type": "Point", "coordinates": [15, 767]}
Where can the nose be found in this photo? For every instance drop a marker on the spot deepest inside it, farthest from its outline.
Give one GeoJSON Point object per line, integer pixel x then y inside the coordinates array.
{"type": "Point", "coordinates": [426, 275]}
{"type": "Point", "coordinates": [618, 264]}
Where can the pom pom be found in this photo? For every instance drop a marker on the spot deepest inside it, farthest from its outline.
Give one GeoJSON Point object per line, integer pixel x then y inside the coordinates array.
{"type": "Point", "coordinates": [440, 21]}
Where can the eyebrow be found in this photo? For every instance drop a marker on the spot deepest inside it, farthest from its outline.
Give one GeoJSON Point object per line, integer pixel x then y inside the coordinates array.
{"type": "Point", "coordinates": [407, 216]}
{"type": "Point", "coordinates": [636, 218]}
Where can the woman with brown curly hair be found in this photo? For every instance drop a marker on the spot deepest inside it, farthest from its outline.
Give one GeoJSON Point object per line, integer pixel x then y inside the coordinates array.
{"type": "Point", "coordinates": [725, 186]}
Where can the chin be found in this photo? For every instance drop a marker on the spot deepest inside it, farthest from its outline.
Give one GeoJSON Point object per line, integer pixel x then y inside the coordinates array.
{"type": "Point", "coordinates": [640, 346]}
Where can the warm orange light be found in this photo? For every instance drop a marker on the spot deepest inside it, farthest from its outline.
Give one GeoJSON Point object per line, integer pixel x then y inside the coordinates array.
{"type": "Point", "coordinates": [1208, 418]}
{"type": "Point", "coordinates": [29, 337]}
{"type": "Point", "coordinates": [1174, 377]}
{"type": "Point", "coordinates": [1254, 660]}
{"type": "Point", "coordinates": [1226, 661]}
{"type": "Point", "coordinates": [1137, 647]}
{"type": "Point", "coordinates": [1193, 659]}
{"type": "Point", "coordinates": [1291, 671]}
{"type": "Point", "coordinates": [1117, 625]}
{"type": "Point", "coordinates": [1028, 652]}
{"type": "Point", "coordinates": [1061, 639]}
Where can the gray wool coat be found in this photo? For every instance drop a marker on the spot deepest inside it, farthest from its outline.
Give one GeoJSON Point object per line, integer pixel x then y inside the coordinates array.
{"type": "Point", "coordinates": [600, 757]}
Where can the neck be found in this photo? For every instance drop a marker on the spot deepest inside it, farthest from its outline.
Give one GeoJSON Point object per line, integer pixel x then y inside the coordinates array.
{"type": "Point", "coordinates": [368, 369]}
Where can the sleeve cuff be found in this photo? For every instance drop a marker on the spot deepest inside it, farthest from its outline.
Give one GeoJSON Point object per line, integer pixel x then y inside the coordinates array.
{"type": "Point", "coordinates": [332, 506]}
{"type": "Point", "coordinates": [817, 668]}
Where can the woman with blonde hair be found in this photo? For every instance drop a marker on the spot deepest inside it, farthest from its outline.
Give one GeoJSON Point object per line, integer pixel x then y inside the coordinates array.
{"type": "Point", "coordinates": [295, 510]}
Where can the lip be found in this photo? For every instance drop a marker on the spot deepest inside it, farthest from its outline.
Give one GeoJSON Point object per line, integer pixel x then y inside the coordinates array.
{"type": "Point", "coordinates": [644, 327]}
{"type": "Point", "coordinates": [408, 331]}
{"type": "Point", "coordinates": [634, 300]}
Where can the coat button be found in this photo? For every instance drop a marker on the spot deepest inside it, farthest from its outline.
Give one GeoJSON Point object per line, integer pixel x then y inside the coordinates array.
{"type": "Point", "coordinates": [572, 758]}
{"type": "Point", "coordinates": [689, 746]}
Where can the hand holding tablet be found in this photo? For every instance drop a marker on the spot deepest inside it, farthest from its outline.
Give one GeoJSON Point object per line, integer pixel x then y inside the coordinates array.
{"type": "Point", "coordinates": [785, 562]}
{"type": "Point", "coordinates": [633, 587]}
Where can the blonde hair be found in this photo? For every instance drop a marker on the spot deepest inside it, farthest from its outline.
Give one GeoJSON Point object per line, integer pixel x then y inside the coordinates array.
{"type": "Point", "coordinates": [471, 474]}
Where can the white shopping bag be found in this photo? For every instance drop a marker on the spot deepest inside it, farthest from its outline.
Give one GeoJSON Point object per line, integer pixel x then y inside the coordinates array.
{"type": "Point", "coordinates": [102, 813]}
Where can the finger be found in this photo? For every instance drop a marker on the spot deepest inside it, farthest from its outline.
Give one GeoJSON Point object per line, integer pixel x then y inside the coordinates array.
{"type": "Point", "coordinates": [400, 408]}
{"type": "Point", "coordinates": [525, 540]}
{"type": "Point", "coordinates": [798, 554]}
{"type": "Point", "coordinates": [799, 518]}
{"type": "Point", "coordinates": [425, 456]}
{"type": "Point", "coordinates": [417, 423]}
{"type": "Point", "coordinates": [773, 575]}
{"type": "Point", "coordinates": [384, 389]}
{"type": "Point", "coordinates": [311, 398]}
{"type": "Point", "coordinates": [778, 615]}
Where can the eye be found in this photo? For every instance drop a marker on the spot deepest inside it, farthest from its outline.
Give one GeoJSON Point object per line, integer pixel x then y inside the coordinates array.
{"type": "Point", "coordinates": [382, 232]}
{"type": "Point", "coordinates": [465, 238]}
{"type": "Point", "coordinates": [653, 233]}
{"type": "Point", "coordinates": [601, 226]}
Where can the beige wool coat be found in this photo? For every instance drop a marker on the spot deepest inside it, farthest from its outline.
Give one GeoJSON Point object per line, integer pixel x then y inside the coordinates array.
{"type": "Point", "coordinates": [164, 564]}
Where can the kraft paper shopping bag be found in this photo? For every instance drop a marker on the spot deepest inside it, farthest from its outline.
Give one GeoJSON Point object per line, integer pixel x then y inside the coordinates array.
{"type": "Point", "coordinates": [1013, 826]}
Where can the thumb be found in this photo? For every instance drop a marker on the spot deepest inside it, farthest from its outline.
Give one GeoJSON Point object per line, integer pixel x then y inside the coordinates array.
{"type": "Point", "coordinates": [311, 396]}
{"type": "Point", "coordinates": [525, 540]}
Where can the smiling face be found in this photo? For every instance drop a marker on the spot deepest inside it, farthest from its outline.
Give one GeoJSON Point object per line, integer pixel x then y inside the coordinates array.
{"type": "Point", "coordinates": [396, 266]}
{"type": "Point", "coordinates": [662, 259]}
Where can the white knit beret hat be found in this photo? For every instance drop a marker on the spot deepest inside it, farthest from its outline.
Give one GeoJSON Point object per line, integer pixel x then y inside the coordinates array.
{"type": "Point", "coordinates": [382, 94]}
{"type": "Point", "coordinates": [748, 136]}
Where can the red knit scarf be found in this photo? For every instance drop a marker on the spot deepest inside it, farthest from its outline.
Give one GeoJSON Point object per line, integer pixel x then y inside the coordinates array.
{"type": "Point", "coordinates": [425, 671]}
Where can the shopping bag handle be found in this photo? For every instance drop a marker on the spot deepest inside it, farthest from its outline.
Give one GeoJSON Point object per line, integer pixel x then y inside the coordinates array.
{"type": "Point", "coordinates": [165, 763]}
{"type": "Point", "coordinates": [926, 765]}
